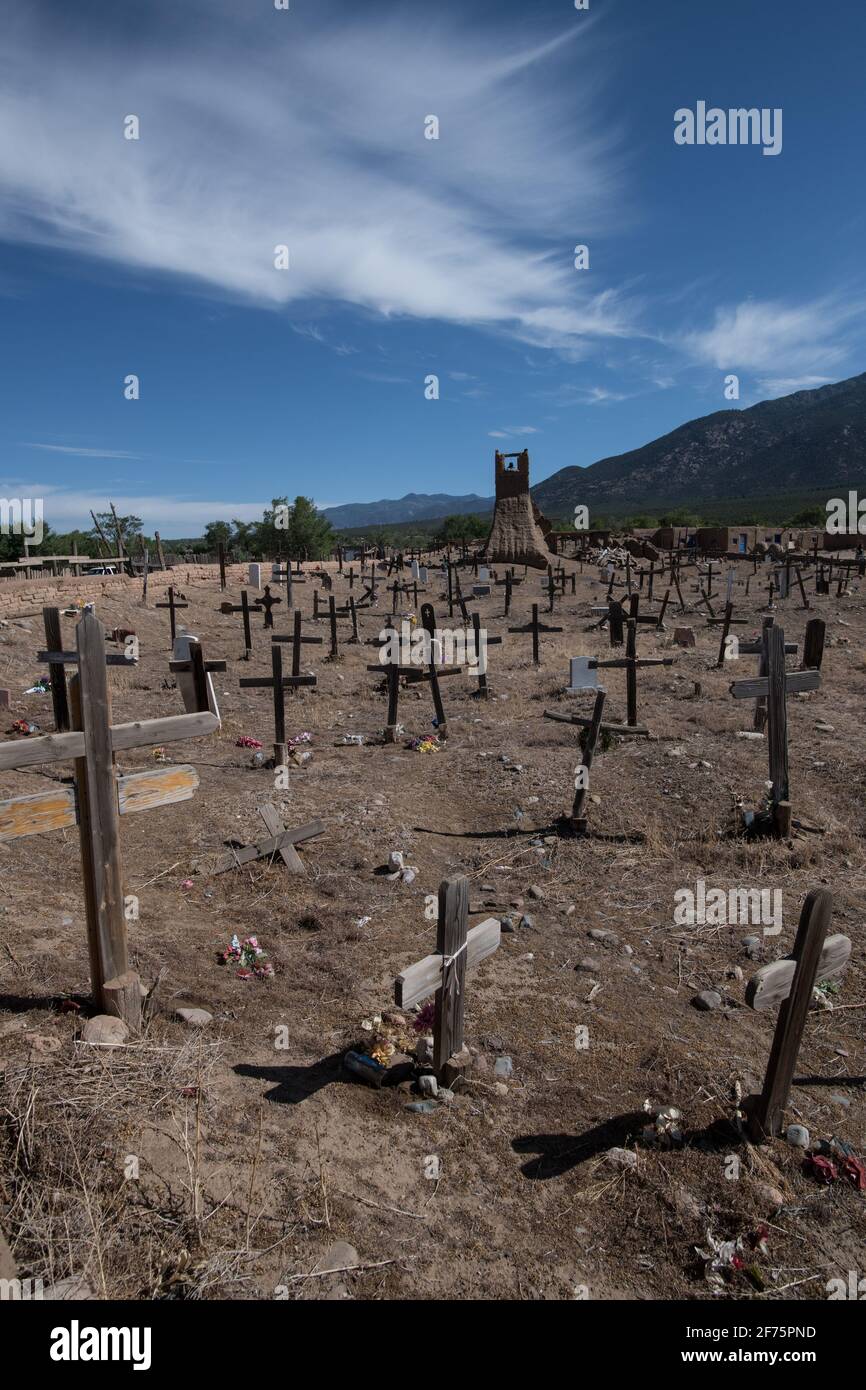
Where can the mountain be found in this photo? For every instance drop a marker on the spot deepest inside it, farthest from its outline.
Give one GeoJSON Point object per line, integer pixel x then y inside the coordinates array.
{"type": "Point", "coordinates": [803, 443]}
{"type": "Point", "coordinates": [415, 506]}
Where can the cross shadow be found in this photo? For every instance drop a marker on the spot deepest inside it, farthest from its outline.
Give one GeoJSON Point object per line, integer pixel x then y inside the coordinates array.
{"type": "Point", "coordinates": [558, 1153]}
{"type": "Point", "coordinates": [297, 1083]}
{"type": "Point", "coordinates": [51, 1003]}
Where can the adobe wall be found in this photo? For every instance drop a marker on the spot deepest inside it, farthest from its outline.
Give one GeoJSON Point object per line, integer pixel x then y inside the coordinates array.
{"type": "Point", "coordinates": [20, 595]}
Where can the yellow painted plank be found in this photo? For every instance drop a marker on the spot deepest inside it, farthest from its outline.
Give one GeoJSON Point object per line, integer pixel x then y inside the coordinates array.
{"type": "Point", "coordinates": [33, 815]}
{"type": "Point", "coordinates": [141, 791]}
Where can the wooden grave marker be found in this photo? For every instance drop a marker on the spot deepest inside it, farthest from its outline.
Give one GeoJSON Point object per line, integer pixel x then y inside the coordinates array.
{"type": "Point", "coordinates": [297, 641]}
{"type": "Point", "coordinates": [95, 803]}
{"type": "Point", "coordinates": [280, 842]}
{"type": "Point", "coordinates": [244, 607]}
{"type": "Point", "coordinates": [536, 628]}
{"type": "Point", "coordinates": [631, 662]}
{"type": "Point", "coordinates": [775, 687]}
{"type": "Point", "coordinates": [279, 684]}
{"type": "Point", "coordinates": [444, 974]}
{"type": "Point", "coordinates": [173, 605]}
{"type": "Point", "coordinates": [790, 982]}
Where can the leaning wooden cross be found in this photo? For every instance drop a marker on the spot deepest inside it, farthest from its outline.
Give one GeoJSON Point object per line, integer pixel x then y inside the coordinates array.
{"type": "Point", "coordinates": [775, 687]}
{"type": "Point", "coordinates": [444, 974]}
{"type": "Point", "coordinates": [58, 660]}
{"type": "Point", "coordinates": [95, 802]}
{"type": "Point", "coordinates": [789, 983]}
{"type": "Point", "coordinates": [576, 823]}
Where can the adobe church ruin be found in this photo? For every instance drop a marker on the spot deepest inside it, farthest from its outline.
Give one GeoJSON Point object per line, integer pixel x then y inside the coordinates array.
{"type": "Point", "coordinates": [519, 532]}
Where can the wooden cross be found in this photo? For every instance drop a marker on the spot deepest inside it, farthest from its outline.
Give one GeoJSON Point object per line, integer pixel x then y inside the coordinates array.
{"type": "Point", "coordinates": [536, 628]}
{"type": "Point", "coordinates": [172, 607]}
{"type": "Point", "coordinates": [279, 684]}
{"type": "Point", "coordinates": [280, 842]}
{"type": "Point", "coordinates": [297, 642]}
{"type": "Point", "coordinates": [221, 555]}
{"type": "Point", "coordinates": [267, 603]}
{"type": "Point", "coordinates": [775, 686]}
{"type": "Point", "coordinates": [58, 660]}
{"type": "Point", "coordinates": [444, 974]}
{"type": "Point", "coordinates": [631, 662]}
{"type": "Point", "coordinates": [789, 983]}
{"type": "Point", "coordinates": [246, 608]}
{"type": "Point", "coordinates": [96, 801]}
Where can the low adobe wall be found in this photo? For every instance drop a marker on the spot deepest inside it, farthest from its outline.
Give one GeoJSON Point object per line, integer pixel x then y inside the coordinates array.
{"type": "Point", "coordinates": [18, 596]}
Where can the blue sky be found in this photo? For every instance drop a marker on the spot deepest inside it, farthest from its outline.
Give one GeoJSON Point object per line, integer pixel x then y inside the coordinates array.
{"type": "Point", "coordinates": [407, 256]}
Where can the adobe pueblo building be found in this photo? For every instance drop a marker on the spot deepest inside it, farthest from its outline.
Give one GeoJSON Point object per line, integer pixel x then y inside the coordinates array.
{"type": "Point", "coordinates": [519, 534]}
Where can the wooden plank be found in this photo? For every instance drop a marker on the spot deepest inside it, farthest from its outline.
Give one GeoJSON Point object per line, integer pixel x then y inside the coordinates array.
{"type": "Point", "coordinates": [777, 713]}
{"type": "Point", "coordinates": [813, 644]}
{"type": "Point", "coordinates": [289, 855]}
{"type": "Point", "coordinates": [33, 815]}
{"type": "Point", "coordinates": [57, 657]}
{"type": "Point", "coordinates": [421, 980]}
{"type": "Point", "coordinates": [795, 681]}
{"type": "Point", "coordinates": [772, 983]}
{"type": "Point", "coordinates": [766, 1118]}
{"type": "Point", "coordinates": [141, 791]}
{"type": "Point", "coordinates": [54, 748]}
{"type": "Point", "coordinates": [634, 730]}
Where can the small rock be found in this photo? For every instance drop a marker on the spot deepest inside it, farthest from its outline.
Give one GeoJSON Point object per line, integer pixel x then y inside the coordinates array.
{"type": "Point", "coordinates": [421, 1107]}
{"type": "Point", "coordinates": [428, 1086]}
{"type": "Point", "coordinates": [684, 636]}
{"type": "Point", "coordinates": [684, 1203]}
{"type": "Point", "coordinates": [840, 1100]}
{"type": "Point", "coordinates": [507, 924]}
{"type": "Point", "coordinates": [535, 891]}
{"type": "Point", "coordinates": [500, 1088]}
{"type": "Point", "coordinates": [527, 921]}
{"type": "Point", "coordinates": [707, 999]}
{"type": "Point", "coordinates": [769, 1195]}
{"type": "Point", "coordinates": [339, 1256]}
{"type": "Point", "coordinates": [445, 1094]}
{"type": "Point", "coordinates": [606, 938]}
{"type": "Point", "coordinates": [591, 964]}
{"type": "Point", "coordinates": [424, 1050]}
{"type": "Point", "coordinates": [621, 1158]}
{"type": "Point", "coordinates": [798, 1136]}
{"type": "Point", "coordinates": [196, 1018]}
{"type": "Point", "coordinates": [503, 1068]}
{"type": "Point", "coordinates": [105, 1031]}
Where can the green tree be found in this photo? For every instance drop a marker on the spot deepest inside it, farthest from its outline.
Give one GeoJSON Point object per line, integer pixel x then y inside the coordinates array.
{"type": "Point", "coordinates": [300, 530]}
{"type": "Point", "coordinates": [216, 532]}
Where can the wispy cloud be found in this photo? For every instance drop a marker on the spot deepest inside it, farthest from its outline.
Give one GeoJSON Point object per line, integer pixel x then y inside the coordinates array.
{"type": "Point", "coordinates": [255, 134]}
{"type": "Point", "coordinates": [82, 451]}
{"type": "Point", "coordinates": [510, 430]}
{"type": "Point", "coordinates": [797, 340]}
{"type": "Point", "coordinates": [171, 515]}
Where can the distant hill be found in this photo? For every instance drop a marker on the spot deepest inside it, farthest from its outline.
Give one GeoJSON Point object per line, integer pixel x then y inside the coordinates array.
{"type": "Point", "coordinates": [793, 445]}
{"type": "Point", "coordinates": [415, 506]}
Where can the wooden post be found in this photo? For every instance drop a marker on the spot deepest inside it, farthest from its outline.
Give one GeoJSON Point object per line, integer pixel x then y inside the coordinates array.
{"type": "Point", "coordinates": [116, 987]}
{"type": "Point", "coordinates": [761, 702]}
{"type": "Point", "coordinates": [578, 819]}
{"type": "Point", "coordinates": [726, 627]}
{"type": "Point", "coordinates": [451, 944]}
{"type": "Point", "coordinates": [56, 671]}
{"type": "Point", "coordinates": [766, 1119]}
{"type": "Point", "coordinates": [354, 613]}
{"type": "Point", "coordinates": [777, 714]}
{"type": "Point", "coordinates": [631, 672]}
{"type": "Point", "coordinates": [813, 645]}
{"type": "Point", "coordinates": [221, 552]}
{"type": "Point", "coordinates": [393, 679]}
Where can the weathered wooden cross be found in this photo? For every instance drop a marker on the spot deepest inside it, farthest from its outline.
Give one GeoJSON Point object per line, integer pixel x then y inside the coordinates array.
{"type": "Point", "coordinates": [279, 684]}
{"type": "Point", "coordinates": [172, 607]}
{"type": "Point", "coordinates": [280, 843]}
{"type": "Point", "coordinates": [58, 660]}
{"type": "Point", "coordinates": [536, 628]}
{"type": "Point", "coordinates": [244, 607]}
{"type": "Point", "coordinates": [631, 662]}
{"type": "Point", "coordinates": [775, 686]}
{"type": "Point", "coordinates": [297, 641]}
{"type": "Point", "coordinates": [789, 983]}
{"type": "Point", "coordinates": [444, 974]}
{"type": "Point", "coordinates": [577, 821]}
{"type": "Point", "coordinates": [95, 803]}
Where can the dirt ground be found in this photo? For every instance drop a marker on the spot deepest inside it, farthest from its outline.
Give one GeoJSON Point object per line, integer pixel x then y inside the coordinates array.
{"type": "Point", "coordinates": [233, 1161]}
